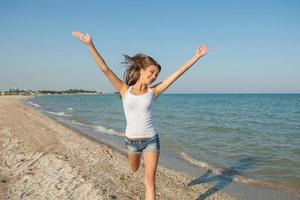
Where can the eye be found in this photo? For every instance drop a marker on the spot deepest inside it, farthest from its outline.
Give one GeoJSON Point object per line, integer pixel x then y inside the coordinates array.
{"type": "Point", "coordinates": [152, 72]}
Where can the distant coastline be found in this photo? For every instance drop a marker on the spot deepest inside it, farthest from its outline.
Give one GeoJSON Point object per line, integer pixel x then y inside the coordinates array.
{"type": "Point", "coordinates": [49, 92]}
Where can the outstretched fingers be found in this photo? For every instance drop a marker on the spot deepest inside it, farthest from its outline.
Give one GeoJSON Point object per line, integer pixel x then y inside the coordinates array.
{"type": "Point", "coordinates": [77, 34]}
{"type": "Point", "coordinates": [86, 38]}
{"type": "Point", "coordinates": [203, 49]}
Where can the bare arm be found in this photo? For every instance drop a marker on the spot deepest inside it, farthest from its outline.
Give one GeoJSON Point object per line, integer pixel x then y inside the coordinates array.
{"type": "Point", "coordinates": [117, 83]}
{"type": "Point", "coordinates": [162, 86]}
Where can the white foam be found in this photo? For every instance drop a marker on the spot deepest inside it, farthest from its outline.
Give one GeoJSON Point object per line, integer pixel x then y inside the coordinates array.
{"type": "Point", "coordinates": [219, 171]}
{"type": "Point", "coordinates": [195, 162]}
{"type": "Point", "coordinates": [106, 130]}
{"type": "Point", "coordinates": [70, 108]}
{"type": "Point", "coordinates": [61, 114]}
{"type": "Point", "coordinates": [79, 123]}
{"type": "Point", "coordinates": [34, 104]}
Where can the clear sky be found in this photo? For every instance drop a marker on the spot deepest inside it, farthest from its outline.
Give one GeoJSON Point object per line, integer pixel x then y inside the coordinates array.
{"type": "Point", "coordinates": [254, 46]}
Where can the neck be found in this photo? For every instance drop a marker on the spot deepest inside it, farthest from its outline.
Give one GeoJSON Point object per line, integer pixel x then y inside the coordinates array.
{"type": "Point", "coordinates": [140, 86]}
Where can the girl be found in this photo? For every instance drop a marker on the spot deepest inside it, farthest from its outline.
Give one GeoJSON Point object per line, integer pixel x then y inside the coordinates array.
{"type": "Point", "coordinates": [138, 99]}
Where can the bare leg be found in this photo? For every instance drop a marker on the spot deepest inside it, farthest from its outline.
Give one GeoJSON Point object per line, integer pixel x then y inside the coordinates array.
{"type": "Point", "coordinates": [150, 161]}
{"type": "Point", "coordinates": [134, 161]}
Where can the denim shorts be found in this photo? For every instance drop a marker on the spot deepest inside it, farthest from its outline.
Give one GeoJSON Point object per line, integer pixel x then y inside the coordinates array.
{"type": "Point", "coordinates": [145, 144]}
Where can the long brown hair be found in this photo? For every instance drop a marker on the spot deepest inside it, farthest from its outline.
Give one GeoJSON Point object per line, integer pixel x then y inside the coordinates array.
{"type": "Point", "coordinates": [134, 64]}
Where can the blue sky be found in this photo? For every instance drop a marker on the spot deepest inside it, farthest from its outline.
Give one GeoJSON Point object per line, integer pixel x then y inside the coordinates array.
{"type": "Point", "coordinates": [254, 45]}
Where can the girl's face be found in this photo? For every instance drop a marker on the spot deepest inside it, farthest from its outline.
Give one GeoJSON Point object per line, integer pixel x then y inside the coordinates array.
{"type": "Point", "coordinates": [149, 74]}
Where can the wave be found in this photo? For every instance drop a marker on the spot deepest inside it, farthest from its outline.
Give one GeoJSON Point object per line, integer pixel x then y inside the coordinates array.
{"type": "Point", "coordinates": [198, 163]}
{"type": "Point", "coordinates": [61, 114]}
{"type": "Point", "coordinates": [108, 130]}
{"type": "Point", "coordinates": [77, 121]}
{"type": "Point", "coordinates": [224, 172]}
{"type": "Point", "coordinates": [70, 108]}
{"type": "Point", "coordinates": [33, 104]}
{"type": "Point", "coordinates": [81, 124]}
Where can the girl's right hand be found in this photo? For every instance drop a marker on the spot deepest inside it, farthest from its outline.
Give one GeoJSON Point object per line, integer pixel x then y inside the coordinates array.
{"type": "Point", "coordinates": [85, 38]}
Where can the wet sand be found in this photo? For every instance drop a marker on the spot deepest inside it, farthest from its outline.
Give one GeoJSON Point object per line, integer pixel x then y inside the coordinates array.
{"type": "Point", "coordinates": [42, 159]}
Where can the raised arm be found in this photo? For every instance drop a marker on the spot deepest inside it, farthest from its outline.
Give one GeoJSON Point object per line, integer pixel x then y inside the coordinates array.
{"type": "Point", "coordinates": [117, 83]}
{"type": "Point", "coordinates": [162, 86]}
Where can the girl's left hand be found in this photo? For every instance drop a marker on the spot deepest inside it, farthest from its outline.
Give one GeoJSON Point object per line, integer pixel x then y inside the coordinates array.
{"type": "Point", "coordinates": [202, 50]}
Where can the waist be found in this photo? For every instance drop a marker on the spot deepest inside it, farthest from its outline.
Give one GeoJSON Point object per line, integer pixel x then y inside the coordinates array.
{"type": "Point", "coordinates": [140, 135]}
{"type": "Point", "coordinates": [144, 139]}
{"type": "Point", "coordinates": [140, 129]}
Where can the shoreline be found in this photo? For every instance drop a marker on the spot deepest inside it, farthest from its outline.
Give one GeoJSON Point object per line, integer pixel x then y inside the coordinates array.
{"type": "Point", "coordinates": [236, 190]}
{"type": "Point", "coordinates": [41, 158]}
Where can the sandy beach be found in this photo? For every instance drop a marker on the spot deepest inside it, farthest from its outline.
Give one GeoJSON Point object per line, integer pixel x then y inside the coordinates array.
{"type": "Point", "coordinates": [42, 159]}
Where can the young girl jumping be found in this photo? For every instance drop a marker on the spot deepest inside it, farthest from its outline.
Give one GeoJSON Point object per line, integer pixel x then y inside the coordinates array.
{"type": "Point", "coordinates": [138, 99]}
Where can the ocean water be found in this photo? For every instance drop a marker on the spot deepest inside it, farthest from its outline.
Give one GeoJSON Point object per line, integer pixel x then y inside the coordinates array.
{"type": "Point", "coordinates": [257, 135]}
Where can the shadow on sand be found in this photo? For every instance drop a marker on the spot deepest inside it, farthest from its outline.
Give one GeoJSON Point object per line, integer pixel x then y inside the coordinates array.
{"type": "Point", "coordinates": [222, 179]}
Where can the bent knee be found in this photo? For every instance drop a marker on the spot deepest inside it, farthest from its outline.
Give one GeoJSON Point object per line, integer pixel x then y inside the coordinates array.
{"type": "Point", "coordinates": [134, 169]}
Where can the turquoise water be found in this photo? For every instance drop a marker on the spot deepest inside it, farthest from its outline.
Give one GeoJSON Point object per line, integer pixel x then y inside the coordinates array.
{"type": "Point", "coordinates": [210, 130]}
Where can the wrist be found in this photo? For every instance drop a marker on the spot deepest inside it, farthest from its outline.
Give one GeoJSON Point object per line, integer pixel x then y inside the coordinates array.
{"type": "Point", "coordinates": [197, 56]}
{"type": "Point", "coordinates": [90, 44]}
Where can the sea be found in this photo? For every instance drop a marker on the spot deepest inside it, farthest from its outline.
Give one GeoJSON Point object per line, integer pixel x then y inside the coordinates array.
{"type": "Point", "coordinates": [255, 137]}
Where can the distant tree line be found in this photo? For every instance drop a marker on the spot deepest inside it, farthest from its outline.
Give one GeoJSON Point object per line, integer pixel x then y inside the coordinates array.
{"type": "Point", "coordinates": [69, 91]}
{"type": "Point", "coordinates": [31, 92]}
{"type": "Point", "coordinates": [16, 92]}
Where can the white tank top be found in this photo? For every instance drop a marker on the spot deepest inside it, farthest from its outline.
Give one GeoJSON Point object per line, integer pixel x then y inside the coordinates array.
{"type": "Point", "coordinates": [138, 113]}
